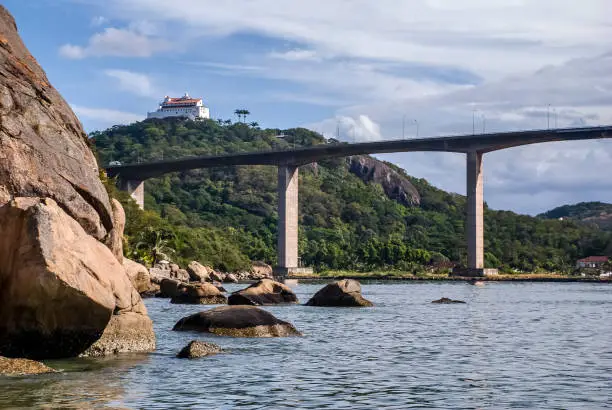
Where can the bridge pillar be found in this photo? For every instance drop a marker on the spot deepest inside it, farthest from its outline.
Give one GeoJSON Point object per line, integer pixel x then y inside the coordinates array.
{"type": "Point", "coordinates": [475, 216]}
{"type": "Point", "coordinates": [135, 189]}
{"type": "Point", "coordinates": [475, 210]}
{"type": "Point", "coordinates": [288, 206]}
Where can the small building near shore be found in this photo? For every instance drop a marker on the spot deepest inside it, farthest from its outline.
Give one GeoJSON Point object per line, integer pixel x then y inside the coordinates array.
{"type": "Point", "coordinates": [592, 262]}
{"type": "Point", "coordinates": [185, 106]}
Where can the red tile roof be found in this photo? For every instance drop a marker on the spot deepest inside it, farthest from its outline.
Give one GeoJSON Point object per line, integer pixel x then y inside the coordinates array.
{"type": "Point", "coordinates": [595, 259]}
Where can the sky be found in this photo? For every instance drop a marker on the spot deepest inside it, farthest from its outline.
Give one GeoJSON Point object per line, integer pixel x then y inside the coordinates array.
{"type": "Point", "coordinates": [375, 70]}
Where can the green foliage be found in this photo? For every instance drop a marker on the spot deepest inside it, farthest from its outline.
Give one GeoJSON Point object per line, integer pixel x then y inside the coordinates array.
{"type": "Point", "coordinates": [227, 216]}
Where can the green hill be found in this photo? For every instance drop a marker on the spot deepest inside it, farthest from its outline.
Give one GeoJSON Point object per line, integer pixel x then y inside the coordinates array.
{"type": "Point", "coordinates": [348, 220]}
{"type": "Point", "coordinates": [598, 213]}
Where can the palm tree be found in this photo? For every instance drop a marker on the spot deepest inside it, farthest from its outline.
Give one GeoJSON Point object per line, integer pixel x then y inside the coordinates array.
{"type": "Point", "coordinates": [245, 113]}
{"type": "Point", "coordinates": [254, 124]}
{"type": "Point", "coordinates": [228, 122]}
{"type": "Point", "coordinates": [238, 113]}
{"type": "Point", "coordinates": [154, 245]}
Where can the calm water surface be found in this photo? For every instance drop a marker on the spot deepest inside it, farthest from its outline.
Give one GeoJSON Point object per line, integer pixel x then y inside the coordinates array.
{"type": "Point", "coordinates": [527, 345]}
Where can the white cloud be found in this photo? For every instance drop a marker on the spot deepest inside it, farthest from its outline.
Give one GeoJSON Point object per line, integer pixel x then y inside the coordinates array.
{"type": "Point", "coordinates": [360, 128]}
{"type": "Point", "coordinates": [98, 21]}
{"type": "Point", "coordinates": [106, 117]}
{"type": "Point", "coordinates": [296, 55]}
{"type": "Point", "coordinates": [116, 42]}
{"type": "Point", "coordinates": [490, 38]}
{"type": "Point", "coordinates": [136, 83]}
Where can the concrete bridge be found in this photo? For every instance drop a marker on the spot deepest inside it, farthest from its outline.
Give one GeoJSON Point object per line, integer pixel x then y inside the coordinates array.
{"type": "Point", "coordinates": [132, 177]}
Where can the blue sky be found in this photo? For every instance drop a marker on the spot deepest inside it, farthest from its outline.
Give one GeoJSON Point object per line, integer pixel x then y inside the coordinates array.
{"type": "Point", "coordinates": [361, 65]}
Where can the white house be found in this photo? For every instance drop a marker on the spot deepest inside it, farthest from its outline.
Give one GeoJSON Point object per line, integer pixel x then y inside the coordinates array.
{"type": "Point", "coordinates": [184, 106]}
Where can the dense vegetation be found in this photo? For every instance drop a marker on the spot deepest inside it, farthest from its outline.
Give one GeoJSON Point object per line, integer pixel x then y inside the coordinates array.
{"type": "Point", "coordinates": [598, 213]}
{"type": "Point", "coordinates": [227, 216]}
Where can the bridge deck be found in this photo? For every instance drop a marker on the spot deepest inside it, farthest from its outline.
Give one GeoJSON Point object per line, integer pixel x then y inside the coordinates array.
{"type": "Point", "coordinates": [305, 155]}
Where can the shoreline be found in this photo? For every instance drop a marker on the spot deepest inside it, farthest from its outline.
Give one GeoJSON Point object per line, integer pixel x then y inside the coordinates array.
{"type": "Point", "coordinates": [408, 278]}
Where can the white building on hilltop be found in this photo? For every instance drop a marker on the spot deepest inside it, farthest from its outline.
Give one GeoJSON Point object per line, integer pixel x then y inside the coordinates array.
{"type": "Point", "coordinates": [184, 106]}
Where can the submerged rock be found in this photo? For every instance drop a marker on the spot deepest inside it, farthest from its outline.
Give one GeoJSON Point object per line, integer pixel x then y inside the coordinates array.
{"type": "Point", "coordinates": [19, 367]}
{"type": "Point", "coordinates": [237, 321]}
{"type": "Point", "coordinates": [60, 286]}
{"type": "Point", "coordinates": [199, 294]}
{"type": "Point", "coordinates": [345, 292]}
{"type": "Point", "coordinates": [264, 292]}
{"type": "Point", "coordinates": [447, 301]}
{"type": "Point", "coordinates": [196, 349]}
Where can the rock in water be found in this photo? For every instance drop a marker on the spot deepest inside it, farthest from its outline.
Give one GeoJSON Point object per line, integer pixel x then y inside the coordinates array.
{"type": "Point", "coordinates": [60, 286]}
{"type": "Point", "coordinates": [18, 367]}
{"type": "Point", "coordinates": [198, 272]}
{"type": "Point", "coordinates": [196, 349]}
{"type": "Point", "coordinates": [237, 321]}
{"type": "Point", "coordinates": [44, 151]}
{"type": "Point", "coordinates": [199, 294]}
{"type": "Point", "coordinates": [264, 292]}
{"type": "Point", "coordinates": [345, 292]}
{"type": "Point", "coordinates": [127, 332]}
{"type": "Point", "coordinates": [447, 301]}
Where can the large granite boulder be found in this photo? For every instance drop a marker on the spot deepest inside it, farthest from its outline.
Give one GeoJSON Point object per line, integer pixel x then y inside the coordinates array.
{"type": "Point", "coordinates": [199, 294]}
{"type": "Point", "coordinates": [44, 151]}
{"type": "Point", "coordinates": [198, 272]}
{"type": "Point", "coordinates": [264, 292]}
{"type": "Point", "coordinates": [345, 292]}
{"type": "Point", "coordinates": [216, 276]}
{"type": "Point", "coordinates": [60, 286]}
{"type": "Point", "coordinates": [237, 321]}
{"type": "Point", "coordinates": [230, 278]}
{"type": "Point", "coordinates": [138, 275]}
{"type": "Point", "coordinates": [196, 349]}
{"type": "Point", "coordinates": [127, 332]}
{"type": "Point", "coordinates": [20, 367]}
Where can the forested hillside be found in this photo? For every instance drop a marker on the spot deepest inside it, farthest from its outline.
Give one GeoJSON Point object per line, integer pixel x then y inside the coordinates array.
{"type": "Point", "coordinates": [598, 213]}
{"type": "Point", "coordinates": [227, 216]}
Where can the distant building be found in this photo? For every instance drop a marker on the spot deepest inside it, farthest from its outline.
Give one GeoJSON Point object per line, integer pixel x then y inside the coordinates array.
{"type": "Point", "coordinates": [592, 262]}
{"type": "Point", "coordinates": [184, 106]}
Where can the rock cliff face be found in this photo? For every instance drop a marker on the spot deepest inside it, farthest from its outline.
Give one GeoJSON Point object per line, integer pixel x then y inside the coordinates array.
{"type": "Point", "coordinates": [63, 288]}
{"type": "Point", "coordinates": [43, 148]}
{"type": "Point", "coordinates": [395, 185]}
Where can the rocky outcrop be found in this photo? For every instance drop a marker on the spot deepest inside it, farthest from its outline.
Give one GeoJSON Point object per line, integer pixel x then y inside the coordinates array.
{"type": "Point", "coordinates": [230, 278]}
{"type": "Point", "coordinates": [196, 349]}
{"type": "Point", "coordinates": [198, 294]}
{"type": "Point", "coordinates": [217, 276]}
{"type": "Point", "coordinates": [43, 149]}
{"type": "Point", "coordinates": [198, 272]}
{"type": "Point", "coordinates": [345, 292]}
{"type": "Point", "coordinates": [168, 270]}
{"type": "Point", "coordinates": [20, 367]}
{"type": "Point", "coordinates": [260, 270]}
{"type": "Point", "coordinates": [264, 292]}
{"type": "Point", "coordinates": [396, 186]}
{"type": "Point", "coordinates": [138, 275]}
{"type": "Point", "coordinates": [60, 286]}
{"type": "Point", "coordinates": [237, 321]}
{"type": "Point", "coordinates": [447, 301]}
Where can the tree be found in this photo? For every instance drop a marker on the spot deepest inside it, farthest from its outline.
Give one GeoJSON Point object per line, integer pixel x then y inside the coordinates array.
{"type": "Point", "coordinates": [254, 124]}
